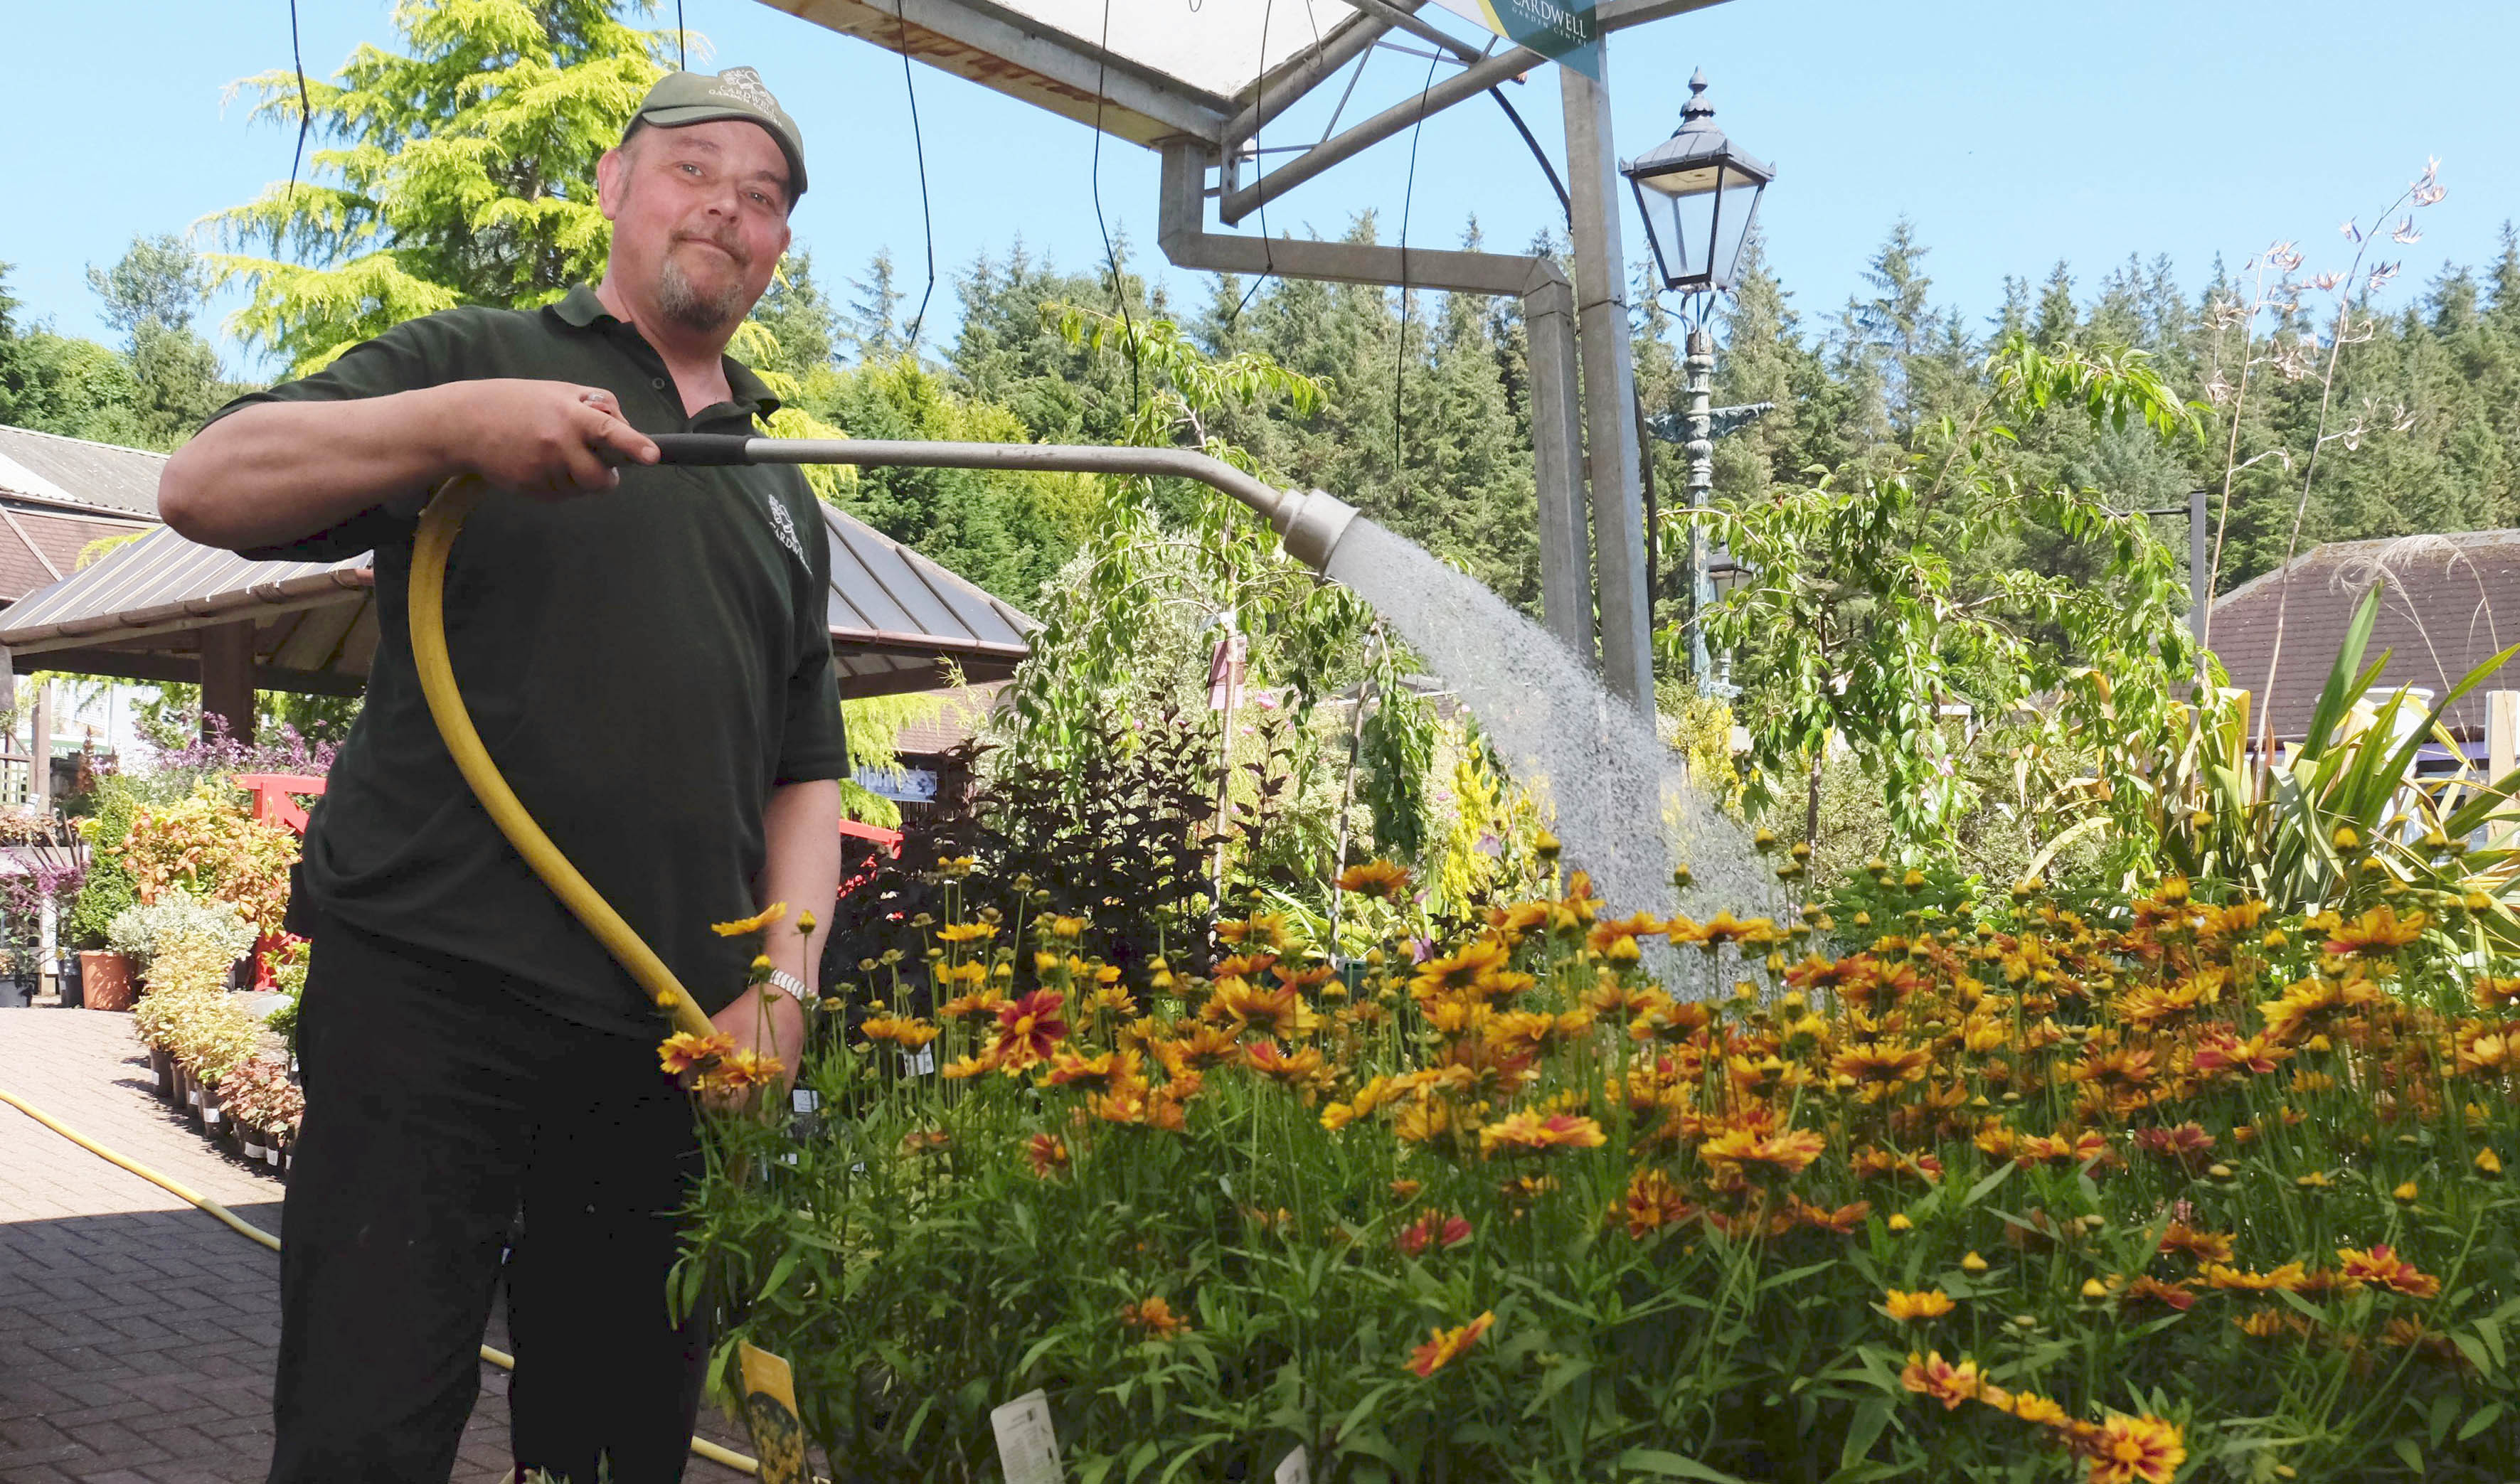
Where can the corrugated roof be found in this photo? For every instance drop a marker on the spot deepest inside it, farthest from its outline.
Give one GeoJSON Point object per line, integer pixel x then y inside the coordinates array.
{"type": "Point", "coordinates": [2450, 604]}
{"type": "Point", "coordinates": [896, 616]}
{"type": "Point", "coordinates": [74, 472]}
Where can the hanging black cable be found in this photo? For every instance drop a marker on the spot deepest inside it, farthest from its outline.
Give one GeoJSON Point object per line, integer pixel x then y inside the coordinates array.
{"type": "Point", "coordinates": [1260, 121]}
{"type": "Point", "coordinates": [682, 57]}
{"type": "Point", "coordinates": [919, 145]}
{"type": "Point", "coordinates": [1127, 327]}
{"type": "Point", "coordinates": [305, 107]}
{"type": "Point", "coordinates": [1407, 197]}
{"type": "Point", "coordinates": [1564, 202]}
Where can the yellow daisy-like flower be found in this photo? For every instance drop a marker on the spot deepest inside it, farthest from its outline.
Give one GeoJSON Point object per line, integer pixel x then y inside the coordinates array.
{"type": "Point", "coordinates": [1908, 1308]}
{"type": "Point", "coordinates": [765, 918]}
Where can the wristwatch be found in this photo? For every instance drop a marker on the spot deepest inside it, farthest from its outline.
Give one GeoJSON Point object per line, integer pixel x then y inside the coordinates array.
{"type": "Point", "coordinates": [781, 980]}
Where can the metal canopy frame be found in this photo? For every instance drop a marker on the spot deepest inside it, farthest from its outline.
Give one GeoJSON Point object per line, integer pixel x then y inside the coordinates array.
{"type": "Point", "coordinates": [1153, 72]}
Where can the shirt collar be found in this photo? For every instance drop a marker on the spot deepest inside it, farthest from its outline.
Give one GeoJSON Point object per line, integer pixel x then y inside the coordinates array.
{"type": "Point", "coordinates": [581, 309]}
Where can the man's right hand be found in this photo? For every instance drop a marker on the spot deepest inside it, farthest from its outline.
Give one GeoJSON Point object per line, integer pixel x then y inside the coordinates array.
{"type": "Point", "coordinates": [551, 440]}
{"type": "Point", "coordinates": [277, 471]}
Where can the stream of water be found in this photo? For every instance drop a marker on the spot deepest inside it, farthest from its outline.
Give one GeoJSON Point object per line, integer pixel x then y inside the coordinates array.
{"type": "Point", "coordinates": [1621, 806]}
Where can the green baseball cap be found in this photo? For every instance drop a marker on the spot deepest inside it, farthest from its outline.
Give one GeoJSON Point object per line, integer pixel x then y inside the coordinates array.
{"type": "Point", "coordinates": [687, 98]}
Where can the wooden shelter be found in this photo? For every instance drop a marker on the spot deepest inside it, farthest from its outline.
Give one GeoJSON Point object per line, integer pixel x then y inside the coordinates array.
{"type": "Point", "coordinates": [165, 609]}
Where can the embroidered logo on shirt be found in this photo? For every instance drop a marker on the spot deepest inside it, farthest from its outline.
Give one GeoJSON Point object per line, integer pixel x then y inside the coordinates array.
{"type": "Point", "coordinates": [786, 529]}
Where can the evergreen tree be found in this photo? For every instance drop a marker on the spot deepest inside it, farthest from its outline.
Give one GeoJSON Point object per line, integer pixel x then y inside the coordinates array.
{"type": "Point", "coordinates": [461, 171]}
{"type": "Point", "coordinates": [871, 327]}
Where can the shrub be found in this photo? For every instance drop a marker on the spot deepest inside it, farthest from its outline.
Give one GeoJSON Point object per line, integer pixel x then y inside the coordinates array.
{"type": "Point", "coordinates": [2008, 1192]}
{"type": "Point", "coordinates": [208, 1031]}
{"type": "Point", "coordinates": [140, 930]}
{"type": "Point", "coordinates": [206, 843]}
{"type": "Point", "coordinates": [258, 1092]}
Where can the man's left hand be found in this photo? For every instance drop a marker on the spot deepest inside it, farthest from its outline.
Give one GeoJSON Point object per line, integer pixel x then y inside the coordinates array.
{"type": "Point", "coordinates": [768, 1021]}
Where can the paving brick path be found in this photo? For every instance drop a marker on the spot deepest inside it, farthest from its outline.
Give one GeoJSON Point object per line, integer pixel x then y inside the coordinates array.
{"type": "Point", "coordinates": [136, 1333]}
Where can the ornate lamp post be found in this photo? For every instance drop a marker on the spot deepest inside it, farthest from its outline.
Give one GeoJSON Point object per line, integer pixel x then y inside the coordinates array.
{"type": "Point", "coordinates": [1699, 198]}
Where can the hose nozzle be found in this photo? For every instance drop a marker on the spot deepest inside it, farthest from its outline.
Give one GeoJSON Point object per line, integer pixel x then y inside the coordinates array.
{"type": "Point", "coordinates": [1311, 523]}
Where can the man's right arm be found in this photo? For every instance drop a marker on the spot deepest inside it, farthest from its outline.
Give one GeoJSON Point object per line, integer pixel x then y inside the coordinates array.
{"type": "Point", "coordinates": [275, 471]}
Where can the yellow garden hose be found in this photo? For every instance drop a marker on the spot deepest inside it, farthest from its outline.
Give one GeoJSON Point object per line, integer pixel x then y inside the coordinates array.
{"type": "Point", "coordinates": [438, 526]}
{"type": "Point", "coordinates": [496, 1357]}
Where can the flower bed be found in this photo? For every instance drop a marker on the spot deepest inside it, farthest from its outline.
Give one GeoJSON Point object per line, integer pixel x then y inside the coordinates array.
{"type": "Point", "coordinates": [2181, 1189]}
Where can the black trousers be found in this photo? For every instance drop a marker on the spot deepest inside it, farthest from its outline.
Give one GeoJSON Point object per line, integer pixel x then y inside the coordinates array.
{"type": "Point", "coordinates": [437, 1107]}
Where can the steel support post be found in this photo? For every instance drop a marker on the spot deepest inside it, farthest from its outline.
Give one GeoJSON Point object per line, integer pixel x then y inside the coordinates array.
{"type": "Point", "coordinates": [1609, 386]}
{"type": "Point", "coordinates": [1557, 466]}
{"type": "Point", "coordinates": [1698, 366]}
{"type": "Point", "coordinates": [2200, 578]}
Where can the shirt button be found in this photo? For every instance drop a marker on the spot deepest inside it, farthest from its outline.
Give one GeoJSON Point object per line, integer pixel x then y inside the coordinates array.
{"type": "Point", "coordinates": [657, 381]}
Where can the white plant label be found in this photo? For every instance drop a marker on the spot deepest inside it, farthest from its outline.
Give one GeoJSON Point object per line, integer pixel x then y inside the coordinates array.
{"type": "Point", "coordinates": [1295, 1468]}
{"type": "Point", "coordinates": [1028, 1448]}
{"type": "Point", "coordinates": [805, 1100]}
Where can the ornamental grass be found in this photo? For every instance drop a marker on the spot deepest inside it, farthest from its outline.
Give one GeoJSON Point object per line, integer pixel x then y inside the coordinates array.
{"type": "Point", "coordinates": [2173, 1188]}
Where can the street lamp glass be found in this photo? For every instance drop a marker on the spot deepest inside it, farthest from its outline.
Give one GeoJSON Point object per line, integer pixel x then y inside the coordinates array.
{"type": "Point", "coordinates": [1699, 198]}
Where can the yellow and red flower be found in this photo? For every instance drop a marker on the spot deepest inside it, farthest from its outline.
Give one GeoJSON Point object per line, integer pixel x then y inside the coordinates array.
{"type": "Point", "coordinates": [1028, 1029]}
{"type": "Point", "coordinates": [1445, 1346]}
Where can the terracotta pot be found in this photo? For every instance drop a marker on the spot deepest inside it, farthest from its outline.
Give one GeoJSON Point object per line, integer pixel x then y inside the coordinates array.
{"type": "Point", "coordinates": [106, 980]}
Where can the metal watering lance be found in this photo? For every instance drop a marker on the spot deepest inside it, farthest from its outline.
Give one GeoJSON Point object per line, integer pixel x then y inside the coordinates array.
{"type": "Point", "coordinates": [1311, 525]}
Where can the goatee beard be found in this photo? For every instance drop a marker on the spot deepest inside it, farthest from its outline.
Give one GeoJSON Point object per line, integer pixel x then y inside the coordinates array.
{"type": "Point", "coordinates": [684, 303]}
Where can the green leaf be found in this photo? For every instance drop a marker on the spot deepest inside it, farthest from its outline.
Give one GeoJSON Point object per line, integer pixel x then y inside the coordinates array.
{"type": "Point", "coordinates": [1672, 1466]}
{"type": "Point", "coordinates": [1870, 1420]}
{"type": "Point", "coordinates": [2412, 1452]}
{"type": "Point", "coordinates": [2483, 1417]}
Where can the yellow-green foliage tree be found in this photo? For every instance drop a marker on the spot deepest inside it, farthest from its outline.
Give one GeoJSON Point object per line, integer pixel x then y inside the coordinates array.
{"type": "Point", "coordinates": [459, 171]}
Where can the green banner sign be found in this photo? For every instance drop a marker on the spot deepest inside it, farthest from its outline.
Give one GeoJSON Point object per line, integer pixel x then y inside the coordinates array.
{"type": "Point", "coordinates": [1563, 31]}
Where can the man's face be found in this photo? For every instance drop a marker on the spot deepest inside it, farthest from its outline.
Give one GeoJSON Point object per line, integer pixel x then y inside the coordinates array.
{"type": "Point", "coordinates": [699, 218]}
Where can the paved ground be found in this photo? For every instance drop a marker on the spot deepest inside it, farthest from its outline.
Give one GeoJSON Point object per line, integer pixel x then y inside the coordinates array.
{"type": "Point", "coordinates": [136, 1333]}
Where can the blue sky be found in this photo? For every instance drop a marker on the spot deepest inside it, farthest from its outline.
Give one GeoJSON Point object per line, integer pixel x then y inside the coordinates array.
{"type": "Point", "coordinates": [2012, 135]}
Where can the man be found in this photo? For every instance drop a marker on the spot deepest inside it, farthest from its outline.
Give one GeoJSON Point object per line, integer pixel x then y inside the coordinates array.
{"type": "Point", "coordinates": [645, 652]}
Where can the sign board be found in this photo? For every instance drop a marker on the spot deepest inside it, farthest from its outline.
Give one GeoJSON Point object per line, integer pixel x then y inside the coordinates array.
{"type": "Point", "coordinates": [1028, 1448]}
{"type": "Point", "coordinates": [902, 785]}
{"type": "Point", "coordinates": [1563, 31]}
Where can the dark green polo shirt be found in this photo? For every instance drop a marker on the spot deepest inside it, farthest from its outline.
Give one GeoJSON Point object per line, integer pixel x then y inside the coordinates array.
{"type": "Point", "coordinates": [645, 665]}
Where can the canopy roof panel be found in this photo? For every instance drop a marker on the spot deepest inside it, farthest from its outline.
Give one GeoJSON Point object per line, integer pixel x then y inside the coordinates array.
{"type": "Point", "coordinates": [1167, 68]}
{"type": "Point", "coordinates": [896, 618]}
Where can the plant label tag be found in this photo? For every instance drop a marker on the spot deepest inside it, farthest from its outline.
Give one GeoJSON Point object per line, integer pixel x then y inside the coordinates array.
{"type": "Point", "coordinates": [918, 1065]}
{"type": "Point", "coordinates": [1295, 1468]}
{"type": "Point", "coordinates": [1028, 1448]}
{"type": "Point", "coordinates": [805, 1100]}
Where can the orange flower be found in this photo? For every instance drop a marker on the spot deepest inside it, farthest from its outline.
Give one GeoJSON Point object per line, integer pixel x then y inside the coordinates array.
{"type": "Point", "coordinates": [2376, 932]}
{"type": "Point", "coordinates": [1448, 1345]}
{"type": "Point", "coordinates": [1046, 1154]}
{"type": "Point", "coordinates": [1268, 1062]}
{"type": "Point", "coordinates": [1931, 1375]}
{"type": "Point", "coordinates": [904, 1031]}
{"type": "Point", "coordinates": [1879, 1067]}
{"type": "Point", "coordinates": [2223, 1053]}
{"type": "Point", "coordinates": [1377, 879]}
{"type": "Point", "coordinates": [684, 1051]}
{"type": "Point", "coordinates": [2201, 1247]}
{"type": "Point", "coordinates": [1266, 929]}
{"type": "Point", "coordinates": [1432, 1229]}
{"type": "Point", "coordinates": [1094, 1073]}
{"type": "Point", "coordinates": [1204, 1047]}
{"type": "Point", "coordinates": [926, 1141]}
{"type": "Point", "coordinates": [754, 923]}
{"type": "Point", "coordinates": [2492, 994]}
{"type": "Point", "coordinates": [738, 1070]}
{"type": "Point", "coordinates": [2233, 1279]}
{"type": "Point", "coordinates": [2127, 1449]}
{"type": "Point", "coordinates": [1474, 968]}
{"type": "Point", "coordinates": [2384, 1269]}
{"type": "Point", "coordinates": [1281, 1009]}
{"type": "Point", "coordinates": [1908, 1308]}
{"type": "Point", "coordinates": [2148, 1289]}
{"type": "Point", "coordinates": [971, 1066]}
{"type": "Point", "coordinates": [1651, 1204]}
{"type": "Point", "coordinates": [1153, 1318]}
{"type": "Point", "coordinates": [1742, 1152]}
{"type": "Point", "coordinates": [1527, 1130]}
{"type": "Point", "coordinates": [1028, 1029]}
{"type": "Point", "coordinates": [1722, 929]}
{"type": "Point", "coordinates": [966, 933]}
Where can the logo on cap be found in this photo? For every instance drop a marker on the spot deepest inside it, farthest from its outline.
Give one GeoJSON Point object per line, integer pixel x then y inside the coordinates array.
{"type": "Point", "coordinates": [743, 85]}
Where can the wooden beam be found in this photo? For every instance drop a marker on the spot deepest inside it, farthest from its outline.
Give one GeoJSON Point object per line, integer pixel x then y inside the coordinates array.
{"type": "Point", "coordinates": [227, 679]}
{"type": "Point", "coordinates": [163, 665]}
